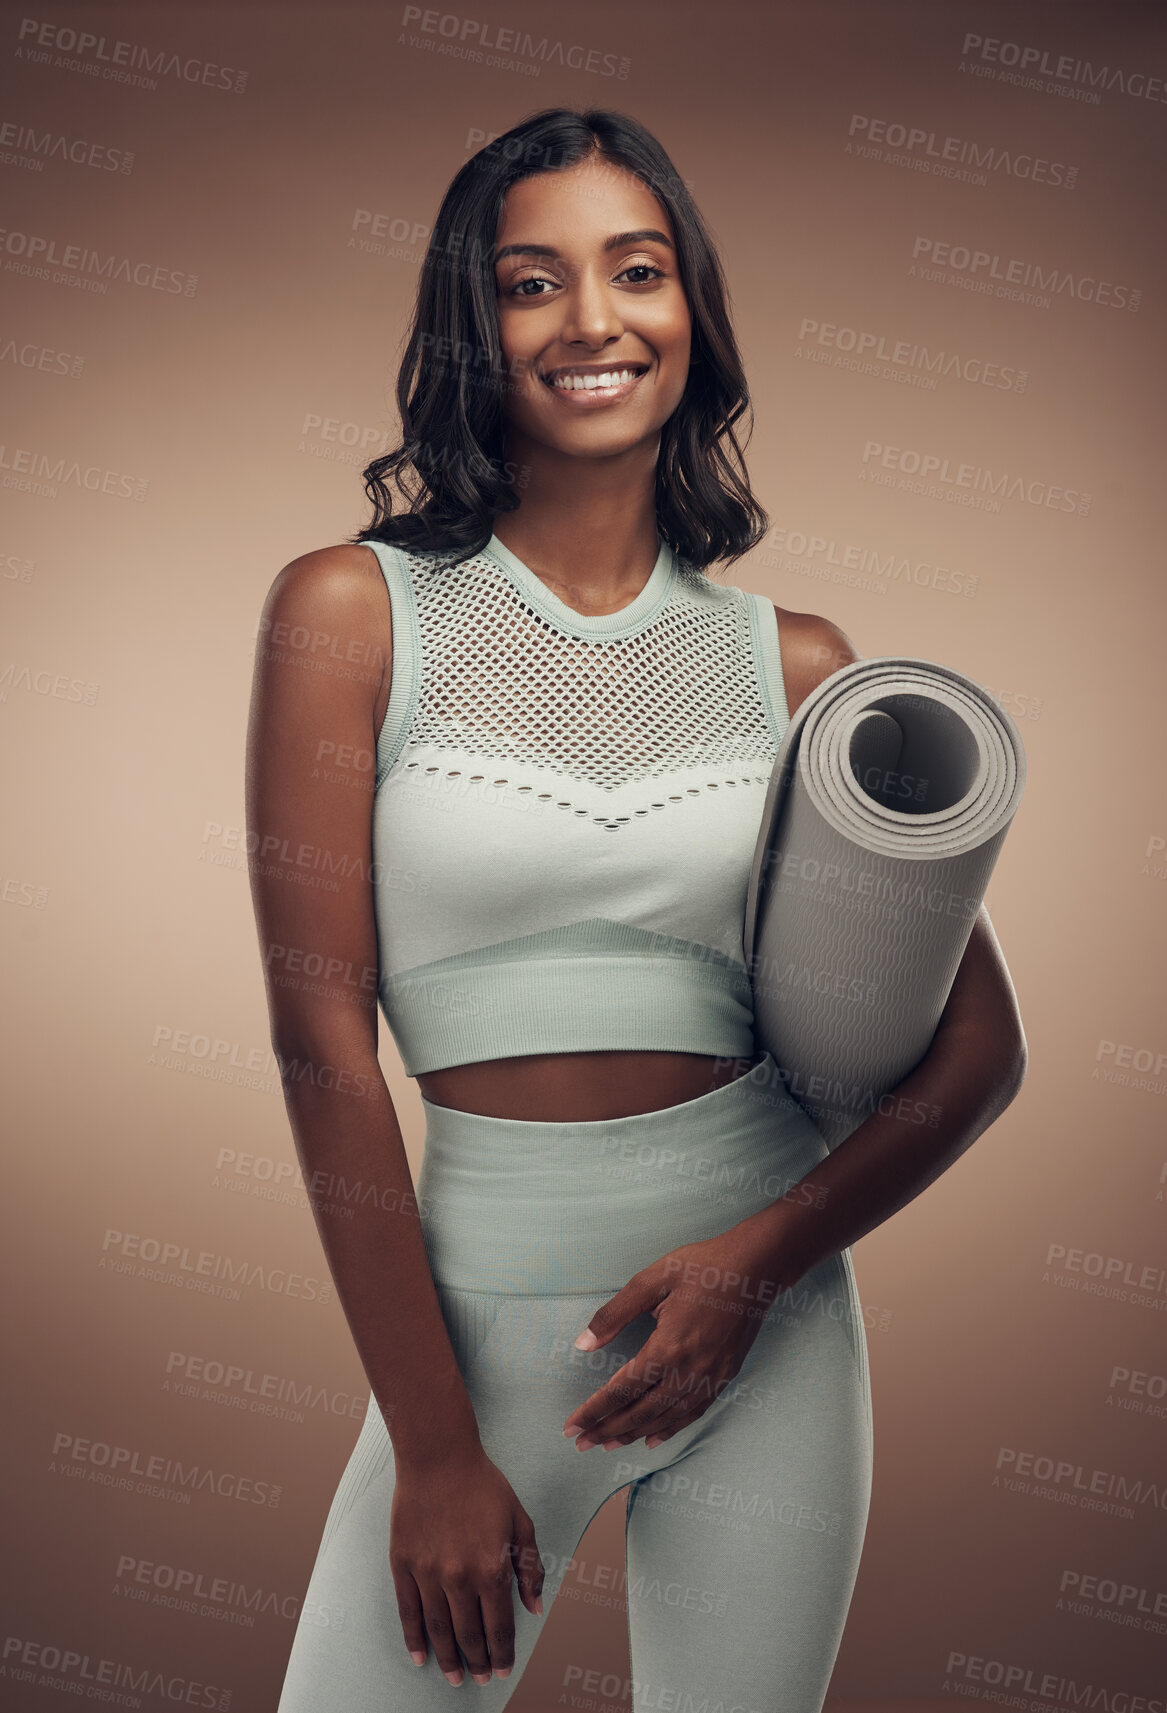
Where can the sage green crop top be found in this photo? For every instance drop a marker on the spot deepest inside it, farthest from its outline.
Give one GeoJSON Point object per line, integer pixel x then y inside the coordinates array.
{"type": "Point", "coordinates": [566, 809]}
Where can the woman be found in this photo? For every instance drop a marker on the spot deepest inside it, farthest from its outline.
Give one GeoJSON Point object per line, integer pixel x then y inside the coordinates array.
{"type": "Point", "coordinates": [521, 751]}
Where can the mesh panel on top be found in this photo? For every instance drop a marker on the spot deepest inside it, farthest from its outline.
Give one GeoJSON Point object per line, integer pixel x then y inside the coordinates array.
{"type": "Point", "coordinates": [500, 679]}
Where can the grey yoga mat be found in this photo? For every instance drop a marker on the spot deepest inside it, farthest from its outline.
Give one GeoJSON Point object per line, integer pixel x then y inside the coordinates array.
{"type": "Point", "coordinates": [891, 795]}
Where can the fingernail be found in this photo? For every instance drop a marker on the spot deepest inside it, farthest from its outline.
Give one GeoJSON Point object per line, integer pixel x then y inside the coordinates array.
{"type": "Point", "coordinates": [652, 1443]}
{"type": "Point", "coordinates": [416, 1657]}
{"type": "Point", "coordinates": [585, 1442]}
{"type": "Point", "coordinates": [480, 1677]}
{"type": "Point", "coordinates": [454, 1677]}
{"type": "Point", "coordinates": [539, 1605]}
{"type": "Point", "coordinates": [502, 1671]}
{"type": "Point", "coordinates": [586, 1341]}
{"type": "Point", "coordinates": [572, 1430]}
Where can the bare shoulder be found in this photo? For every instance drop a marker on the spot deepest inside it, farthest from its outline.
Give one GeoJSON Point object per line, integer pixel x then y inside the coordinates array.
{"type": "Point", "coordinates": [331, 609]}
{"type": "Point", "coordinates": [324, 645]}
{"type": "Point", "coordinates": [812, 648]}
{"type": "Point", "coordinates": [327, 579]}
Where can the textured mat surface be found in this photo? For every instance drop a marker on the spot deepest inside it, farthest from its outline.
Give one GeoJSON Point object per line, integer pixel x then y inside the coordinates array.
{"type": "Point", "coordinates": [891, 795]}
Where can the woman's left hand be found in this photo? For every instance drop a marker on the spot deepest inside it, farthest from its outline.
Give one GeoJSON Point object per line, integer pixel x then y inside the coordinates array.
{"type": "Point", "coordinates": [708, 1308]}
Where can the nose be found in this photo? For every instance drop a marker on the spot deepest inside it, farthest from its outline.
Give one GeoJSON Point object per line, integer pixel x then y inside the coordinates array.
{"type": "Point", "coordinates": [591, 312]}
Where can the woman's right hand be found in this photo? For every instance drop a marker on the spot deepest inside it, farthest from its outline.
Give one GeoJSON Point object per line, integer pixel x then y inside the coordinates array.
{"type": "Point", "coordinates": [457, 1534]}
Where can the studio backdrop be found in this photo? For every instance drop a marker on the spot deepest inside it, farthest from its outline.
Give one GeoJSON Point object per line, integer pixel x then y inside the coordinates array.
{"type": "Point", "coordinates": [942, 230]}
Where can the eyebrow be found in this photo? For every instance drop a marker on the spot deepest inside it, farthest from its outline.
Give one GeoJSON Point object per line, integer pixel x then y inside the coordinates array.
{"type": "Point", "coordinates": [645, 234]}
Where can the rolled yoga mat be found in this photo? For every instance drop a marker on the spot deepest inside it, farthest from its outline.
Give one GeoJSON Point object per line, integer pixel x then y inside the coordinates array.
{"type": "Point", "coordinates": [891, 795]}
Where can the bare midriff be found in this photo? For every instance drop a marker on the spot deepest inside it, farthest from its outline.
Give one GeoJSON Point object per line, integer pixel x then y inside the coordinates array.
{"type": "Point", "coordinates": [560, 1088]}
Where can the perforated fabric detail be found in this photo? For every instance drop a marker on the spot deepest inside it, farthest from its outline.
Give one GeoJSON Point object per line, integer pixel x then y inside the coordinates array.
{"type": "Point", "coordinates": [522, 736]}
{"type": "Point", "coordinates": [500, 679]}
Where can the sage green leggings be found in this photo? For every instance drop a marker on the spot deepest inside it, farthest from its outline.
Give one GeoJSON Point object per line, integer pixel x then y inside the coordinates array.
{"type": "Point", "coordinates": [744, 1531]}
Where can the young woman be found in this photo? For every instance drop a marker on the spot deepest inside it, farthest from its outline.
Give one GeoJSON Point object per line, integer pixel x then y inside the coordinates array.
{"type": "Point", "coordinates": [518, 742]}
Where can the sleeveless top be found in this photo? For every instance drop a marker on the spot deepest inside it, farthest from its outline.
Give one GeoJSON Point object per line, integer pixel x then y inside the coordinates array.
{"type": "Point", "coordinates": [566, 809]}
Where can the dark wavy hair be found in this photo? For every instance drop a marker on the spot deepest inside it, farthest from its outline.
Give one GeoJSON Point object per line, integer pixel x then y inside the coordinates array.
{"type": "Point", "coordinates": [450, 468]}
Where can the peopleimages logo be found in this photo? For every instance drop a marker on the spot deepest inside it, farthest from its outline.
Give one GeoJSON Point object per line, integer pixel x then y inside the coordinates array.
{"type": "Point", "coordinates": [944, 478]}
{"type": "Point", "coordinates": [1085, 1589]}
{"type": "Point", "coordinates": [503, 48]}
{"type": "Point", "coordinates": [31, 470]}
{"type": "Point", "coordinates": [871, 346]}
{"type": "Point", "coordinates": [134, 1469]}
{"type": "Point", "coordinates": [34, 255]}
{"type": "Point", "coordinates": [1013, 276]}
{"type": "Point", "coordinates": [47, 360]}
{"type": "Point", "coordinates": [1115, 1060]}
{"type": "Point", "coordinates": [188, 1590]}
{"type": "Point", "coordinates": [121, 61]}
{"type": "Point", "coordinates": [1090, 1488]}
{"type": "Point", "coordinates": [42, 146]}
{"type": "Point", "coordinates": [70, 1670]}
{"type": "Point", "coordinates": [1047, 1685]}
{"type": "Point", "coordinates": [952, 157]}
{"type": "Point", "coordinates": [822, 554]}
{"type": "Point", "coordinates": [1145, 1277]}
{"type": "Point", "coordinates": [1036, 63]}
{"type": "Point", "coordinates": [211, 1381]}
{"type": "Point", "coordinates": [175, 1263]}
{"type": "Point", "coordinates": [44, 683]}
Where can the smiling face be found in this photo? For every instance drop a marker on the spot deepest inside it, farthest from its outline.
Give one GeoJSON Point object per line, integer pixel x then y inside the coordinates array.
{"type": "Point", "coordinates": [593, 319]}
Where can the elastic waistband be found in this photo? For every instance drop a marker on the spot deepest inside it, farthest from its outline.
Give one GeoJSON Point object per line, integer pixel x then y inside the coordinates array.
{"type": "Point", "coordinates": [534, 1208]}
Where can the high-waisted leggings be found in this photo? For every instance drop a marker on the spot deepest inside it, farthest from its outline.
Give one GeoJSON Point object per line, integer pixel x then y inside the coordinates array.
{"type": "Point", "coordinates": [743, 1531]}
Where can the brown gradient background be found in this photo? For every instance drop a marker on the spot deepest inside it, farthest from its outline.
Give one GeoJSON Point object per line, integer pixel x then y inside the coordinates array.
{"type": "Point", "coordinates": [124, 912]}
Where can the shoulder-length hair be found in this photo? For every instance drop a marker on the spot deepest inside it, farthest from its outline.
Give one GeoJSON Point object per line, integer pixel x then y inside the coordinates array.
{"type": "Point", "coordinates": [451, 467]}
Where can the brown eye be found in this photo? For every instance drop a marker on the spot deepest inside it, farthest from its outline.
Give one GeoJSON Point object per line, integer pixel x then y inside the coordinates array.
{"type": "Point", "coordinates": [528, 279]}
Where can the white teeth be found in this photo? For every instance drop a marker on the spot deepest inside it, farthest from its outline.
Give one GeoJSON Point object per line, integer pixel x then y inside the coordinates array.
{"type": "Point", "coordinates": [588, 383]}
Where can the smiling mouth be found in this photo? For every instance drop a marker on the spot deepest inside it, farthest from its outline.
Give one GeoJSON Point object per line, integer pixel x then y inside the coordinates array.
{"type": "Point", "coordinates": [603, 380]}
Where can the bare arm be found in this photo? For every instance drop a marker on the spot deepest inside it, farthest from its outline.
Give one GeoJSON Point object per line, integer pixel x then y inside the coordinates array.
{"type": "Point", "coordinates": [317, 704]}
{"type": "Point", "coordinates": [319, 911]}
{"type": "Point", "coordinates": [974, 1067]}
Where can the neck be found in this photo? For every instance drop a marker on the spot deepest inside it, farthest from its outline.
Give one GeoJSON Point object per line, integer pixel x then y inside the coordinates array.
{"type": "Point", "coordinates": [586, 526]}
